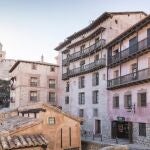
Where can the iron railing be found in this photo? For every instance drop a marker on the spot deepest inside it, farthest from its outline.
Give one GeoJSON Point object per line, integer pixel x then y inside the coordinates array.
{"type": "Point", "coordinates": [130, 78]}
{"type": "Point", "coordinates": [85, 68]}
{"type": "Point", "coordinates": [89, 50]}
{"type": "Point", "coordinates": [130, 51]}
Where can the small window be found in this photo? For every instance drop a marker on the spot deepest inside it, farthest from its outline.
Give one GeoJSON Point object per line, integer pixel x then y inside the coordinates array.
{"type": "Point", "coordinates": [104, 77]}
{"type": "Point", "coordinates": [67, 86]}
{"type": "Point", "coordinates": [67, 100]}
{"type": "Point", "coordinates": [96, 39]}
{"type": "Point", "coordinates": [116, 74]}
{"type": "Point", "coordinates": [142, 99]}
{"type": "Point", "coordinates": [116, 21]}
{"type": "Point", "coordinates": [52, 83]}
{"type": "Point", "coordinates": [33, 96]}
{"type": "Point", "coordinates": [95, 79]}
{"type": "Point", "coordinates": [34, 81]}
{"type": "Point", "coordinates": [52, 68]}
{"type": "Point", "coordinates": [128, 101]}
{"type": "Point", "coordinates": [96, 57]}
{"type": "Point", "coordinates": [116, 102]}
{"type": "Point", "coordinates": [34, 66]}
{"type": "Point", "coordinates": [115, 52]}
{"type": "Point", "coordinates": [95, 97]}
{"type": "Point", "coordinates": [81, 82]}
{"type": "Point", "coordinates": [52, 97]}
{"type": "Point", "coordinates": [81, 98]}
{"type": "Point", "coordinates": [51, 120]}
{"type": "Point", "coordinates": [142, 129]}
{"type": "Point", "coordinates": [81, 112]}
{"type": "Point", "coordinates": [95, 112]}
{"type": "Point", "coordinates": [82, 47]}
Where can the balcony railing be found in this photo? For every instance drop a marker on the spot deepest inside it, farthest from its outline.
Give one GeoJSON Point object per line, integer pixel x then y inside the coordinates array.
{"type": "Point", "coordinates": [137, 48]}
{"type": "Point", "coordinates": [129, 79]}
{"type": "Point", "coordinates": [85, 69]}
{"type": "Point", "coordinates": [85, 52]}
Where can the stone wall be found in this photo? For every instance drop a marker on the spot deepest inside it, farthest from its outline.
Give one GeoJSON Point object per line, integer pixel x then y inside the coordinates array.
{"type": "Point", "coordinates": [141, 139]}
{"type": "Point", "coordinates": [86, 145]}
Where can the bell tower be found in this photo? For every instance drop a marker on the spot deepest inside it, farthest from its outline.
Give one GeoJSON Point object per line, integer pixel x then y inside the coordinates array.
{"type": "Point", "coordinates": [2, 53]}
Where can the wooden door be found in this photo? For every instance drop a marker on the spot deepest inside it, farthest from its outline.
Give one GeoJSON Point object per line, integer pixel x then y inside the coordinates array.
{"type": "Point", "coordinates": [97, 126]}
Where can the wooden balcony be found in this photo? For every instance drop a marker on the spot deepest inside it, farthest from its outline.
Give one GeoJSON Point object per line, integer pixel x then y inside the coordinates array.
{"type": "Point", "coordinates": [86, 52]}
{"type": "Point", "coordinates": [135, 50]}
{"type": "Point", "coordinates": [85, 69]}
{"type": "Point", "coordinates": [139, 77]}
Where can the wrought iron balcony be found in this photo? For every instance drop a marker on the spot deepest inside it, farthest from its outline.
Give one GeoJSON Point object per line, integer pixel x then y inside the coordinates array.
{"type": "Point", "coordinates": [85, 69]}
{"type": "Point", "coordinates": [135, 78]}
{"type": "Point", "coordinates": [85, 52]}
{"type": "Point", "coordinates": [132, 51]}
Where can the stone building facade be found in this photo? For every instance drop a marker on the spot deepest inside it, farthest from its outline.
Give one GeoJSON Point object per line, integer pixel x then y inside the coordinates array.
{"type": "Point", "coordinates": [83, 73]}
{"type": "Point", "coordinates": [33, 82]}
{"type": "Point", "coordinates": [128, 83]}
{"type": "Point", "coordinates": [25, 129]}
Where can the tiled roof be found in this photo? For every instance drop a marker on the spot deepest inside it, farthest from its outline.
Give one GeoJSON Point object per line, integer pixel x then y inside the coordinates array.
{"type": "Point", "coordinates": [43, 105]}
{"type": "Point", "coordinates": [15, 122]}
{"type": "Point", "coordinates": [22, 141]}
{"type": "Point", "coordinates": [94, 24]}
{"type": "Point", "coordinates": [31, 62]}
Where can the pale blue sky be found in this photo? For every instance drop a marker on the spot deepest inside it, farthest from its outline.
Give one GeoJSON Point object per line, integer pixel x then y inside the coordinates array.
{"type": "Point", "coordinates": [30, 28]}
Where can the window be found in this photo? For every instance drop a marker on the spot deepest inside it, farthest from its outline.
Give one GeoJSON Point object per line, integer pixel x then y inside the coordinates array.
{"type": "Point", "coordinates": [104, 76]}
{"type": "Point", "coordinates": [34, 66]}
{"type": "Point", "coordinates": [142, 129]}
{"type": "Point", "coordinates": [81, 112]}
{"type": "Point", "coordinates": [67, 100]}
{"type": "Point", "coordinates": [82, 48]}
{"type": "Point", "coordinates": [81, 98]}
{"type": "Point", "coordinates": [115, 52]}
{"type": "Point", "coordinates": [142, 99]}
{"type": "Point", "coordinates": [51, 120]}
{"type": "Point", "coordinates": [96, 57]}
{"type": "Point", "coordinates": [81, 82]}
{"type": "Point", "coordinates": [116, 102]}
{"type": "Point", "coordinates": [34, 81]}
{"type": "Point", "coordinates": [67, 87]}
{"type": "Point", "coordinates": [116, 74]}
{"type": "Point", "coordinates": [52, 68]}
{"type": "Point", "coordinates": [95, 97]}
{"type": "Point", "coordinates": [52, 83]}
{"type": "Point", "coordinates": [95, 112]}
{"type": "Point", "coordinates": [82, 63]}
{"type": "Point", "coordinates": [51, 97]}
{"type": "Point", "coordinates": [134, 70]}
{"type": "Point", "coordinates": [33, 96]}
{"type": "Point", "coordinates": [95, 78]}
{"type": "Point", "coordinates": [128, 101]}
{"type": "Point", "coordinates": [97, 39]}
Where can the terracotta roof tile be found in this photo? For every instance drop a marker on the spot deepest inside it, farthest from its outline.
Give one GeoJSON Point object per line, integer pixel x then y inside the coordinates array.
{"type": "Point", "coordinates": [23, 141]}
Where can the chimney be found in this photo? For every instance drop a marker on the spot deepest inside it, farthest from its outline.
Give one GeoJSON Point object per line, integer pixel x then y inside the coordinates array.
{"type": "Point", "coordinates": [42, 58]}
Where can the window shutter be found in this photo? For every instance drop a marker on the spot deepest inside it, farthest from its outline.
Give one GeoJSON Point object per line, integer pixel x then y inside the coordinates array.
{"type": "Point", "coordinates": [125, 101]}
{"type": "Point", "coordinates": [113, 102]}
{"type": "Point", "coordinates": [79, 82]}
{"type": "Point", "coordinates": [139, 99]}
{"type": "Point", "coordinates": [83, 98]}
{"type": "Point", "coordinates": [93, 80]}
{"type": "Point", "coordinates": [79, 97]}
